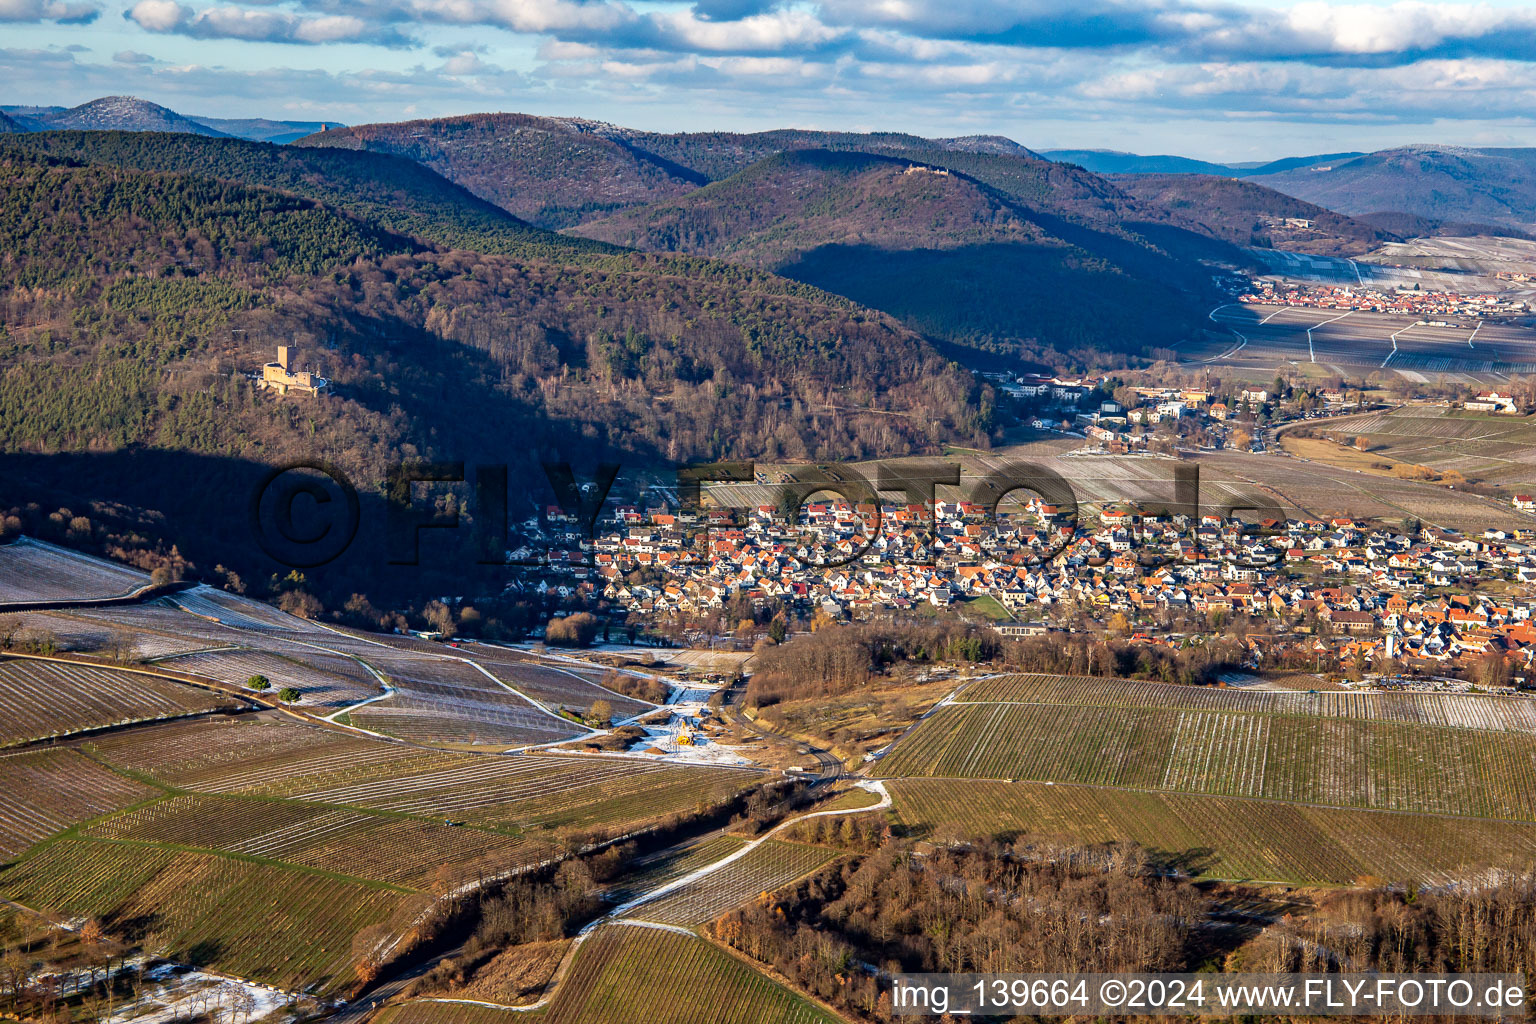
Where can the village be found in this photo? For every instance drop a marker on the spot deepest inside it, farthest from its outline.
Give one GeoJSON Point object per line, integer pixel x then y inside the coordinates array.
{"type": "Point", "coordinates": [1410, 301]}
{"type": "Point", "coordinates": [1340, 595]}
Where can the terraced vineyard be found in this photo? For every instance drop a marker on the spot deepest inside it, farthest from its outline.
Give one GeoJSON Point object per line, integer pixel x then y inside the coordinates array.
{"type": "Point", "coordinates": [164, 619]}
{"type": "Point", "coordinates": [385, 848]}
{"type": "Point", "coordinates": [46, 791]}
{"type": "Point", "coordinates": [33, 570]}
{"type": "Point", "coordinates": [326, 681]}
{"type": "Point", "coordinates": [549, 793]}
{"type": "Point", "coordinates": [555, 793]}
{"type": "Point", "coordinates": [654, 874]}
{"type": "Point", "coordinates": [243, 613]}
{"type": "Point", "coordinates": [427, 1012]}
{"type": "Point", "coordinates": [1222, 837]}
{"type": "Point", "coordinates": [1491, 447]}
{"type": "Point", "coordinates": [271, 758]}
{"type": "Point", "coordinates": [1458, 710]}
{"type": "Point", "coordinates": [440, 699]}
{"type": "Point", "coordinates": [285, 927]}
{"type": "Point", "coordinates": [73, 632]}
{"type": "Point", "coordinates": [1339, 762]}
{"type": "Point", "coordinates": [634, 975]}
{"type": "Point", "coordinates": [764, 869]}
{"type": "Point", "coordinates": [558, 686]}
{"type": "Point", "coordinates": [42, 699]}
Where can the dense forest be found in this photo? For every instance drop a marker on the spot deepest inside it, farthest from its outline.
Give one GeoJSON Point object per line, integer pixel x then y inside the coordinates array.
{"type": "Point", "coordinates": [394, 193]}
{"type": "Point", "coordinates": [550, 172]}
{"type": "Point", "coordinates": [839, 658]}
{"type": "Point", "coordinates": [1046, 907]}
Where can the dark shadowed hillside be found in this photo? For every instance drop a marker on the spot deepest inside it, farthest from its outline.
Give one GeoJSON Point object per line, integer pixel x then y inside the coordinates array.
{"type": "Point", "coordinates": [1244, 213]}
{"type": "Point", "coordinates": [956, 258]}
{"type": "Point", "coordinates": [1014, 258]}
{"type": "Point", "coordinates": [1448, 183]}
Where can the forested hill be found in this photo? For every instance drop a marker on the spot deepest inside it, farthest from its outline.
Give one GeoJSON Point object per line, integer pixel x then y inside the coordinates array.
{"type": "Point", "coordinates": [1244, 213]}
{"type": "Point", "coordinates": [558, 172]}
{"type": "Point", "coordinates": [957, 258]}
{"type": "Point", "coordinates": [1448, 183]}
{"type": "Point", "coordinates": [393, 192]}
{"type": "Point", "coordinates": [1073, 271]}
{"type": "Point", "coordinates": [136, 303]}
{"type": "Point", "coordinates": [551, 173]}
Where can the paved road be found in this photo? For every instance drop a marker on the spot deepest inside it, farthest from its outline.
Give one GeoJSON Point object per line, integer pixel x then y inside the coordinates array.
{"type": "Point", "coordinates": [829, 768]}
{"type": "Point", "coordinates": [374, 999]}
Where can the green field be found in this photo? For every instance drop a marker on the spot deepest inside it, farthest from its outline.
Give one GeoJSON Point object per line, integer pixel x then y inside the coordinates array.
{"type": "Point", "coordinates": [1218, 836]}
{"type": "Point", "coordinates": [43, 792]}
{"type": "Point", "coordinates": [545, 796]}
{"type": "Point", "coordinates": [262, 848]}
{"type": "Point", "coordinates": [1233, 783]}
{"type": "Point", "coordinates": [651, 874]}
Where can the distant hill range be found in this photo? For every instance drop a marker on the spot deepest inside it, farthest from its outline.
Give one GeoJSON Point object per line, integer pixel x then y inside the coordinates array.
{"type": "Point", "coordinates": [261, 129]}
{"type": "Point", "coordinates": [1443, 183]}
{"type": "Point", "coordinates": [559, 172]}
{"type": "Point", "coordinates": [131, 114]}
{"type": "Point", "coordinates": [989, 249]}
{"type": "Point", "coordinates": [1109, 161]}
{"type": "Point", "coordinates": [976, 241]}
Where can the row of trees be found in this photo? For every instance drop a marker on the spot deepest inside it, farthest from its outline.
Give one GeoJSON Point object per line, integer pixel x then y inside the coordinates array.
{"type": "Point", "coordinates": [840, 658]}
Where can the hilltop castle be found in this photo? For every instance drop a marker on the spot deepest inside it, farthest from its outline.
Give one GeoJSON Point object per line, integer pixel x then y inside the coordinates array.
{"type": "Point", "coordinates": [282, 378]}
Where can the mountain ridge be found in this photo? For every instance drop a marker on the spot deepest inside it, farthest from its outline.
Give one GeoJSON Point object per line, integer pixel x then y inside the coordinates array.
{"type": "Point", "coordinates": [970, 262]}
{"type": "Point", "coordinates": [1495, 186]}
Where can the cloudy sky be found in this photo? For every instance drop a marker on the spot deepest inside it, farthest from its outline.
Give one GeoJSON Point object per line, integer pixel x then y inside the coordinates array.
{"type": "Point", "coordinates": [1219, 79]}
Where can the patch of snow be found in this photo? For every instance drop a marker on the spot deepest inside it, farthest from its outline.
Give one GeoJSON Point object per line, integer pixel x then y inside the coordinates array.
{"type": "Point", "coordinates": [681, 739]}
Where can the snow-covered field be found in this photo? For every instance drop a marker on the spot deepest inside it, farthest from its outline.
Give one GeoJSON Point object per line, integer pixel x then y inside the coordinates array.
{"type": "Point", "coordinates": [680, 739]}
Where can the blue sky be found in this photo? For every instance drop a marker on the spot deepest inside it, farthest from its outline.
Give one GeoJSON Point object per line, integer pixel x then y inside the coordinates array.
{"type": "Point", "coordinates": [1218, 79]}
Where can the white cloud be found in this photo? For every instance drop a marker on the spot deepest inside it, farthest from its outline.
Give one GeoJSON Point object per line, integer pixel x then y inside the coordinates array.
{"type": "Point", "coordinates": [261, 25]}
{"type": "Point", "coordinates": [48, 10]}
{"type": "Point", "coordinates": [465, 64]}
